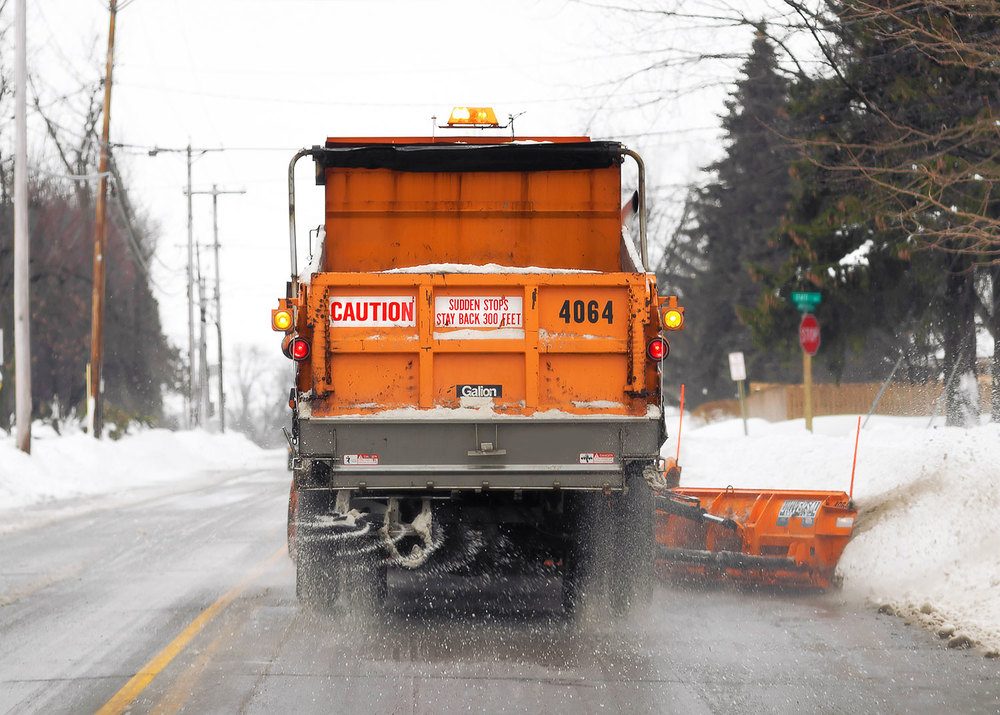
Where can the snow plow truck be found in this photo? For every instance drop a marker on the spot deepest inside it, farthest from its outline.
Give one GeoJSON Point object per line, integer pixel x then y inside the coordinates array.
{"type": "Point", "coordinates": [479, 346]}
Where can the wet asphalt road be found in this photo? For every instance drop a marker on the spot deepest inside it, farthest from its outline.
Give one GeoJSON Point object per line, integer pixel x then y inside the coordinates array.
{"type": "Point", "coordinates": [88, 600]}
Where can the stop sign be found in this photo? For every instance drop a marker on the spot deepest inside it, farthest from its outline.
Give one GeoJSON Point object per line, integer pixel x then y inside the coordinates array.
{"type": "Point", "coordinates": [809, 333]}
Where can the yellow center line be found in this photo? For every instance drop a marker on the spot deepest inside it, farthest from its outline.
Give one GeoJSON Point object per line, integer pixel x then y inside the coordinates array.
{"type": "Point", "coordinates": [131, 690]}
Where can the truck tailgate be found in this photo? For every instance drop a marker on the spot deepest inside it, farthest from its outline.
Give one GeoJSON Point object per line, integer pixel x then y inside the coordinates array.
{"type": "Point", "coordinates": [517, 343]}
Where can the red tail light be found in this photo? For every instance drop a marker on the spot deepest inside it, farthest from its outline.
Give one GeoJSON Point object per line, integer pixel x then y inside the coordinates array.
{"type": "Point", "coordinates": [657, 349]}
{"type": "Point", "coordinates": [299, 349]}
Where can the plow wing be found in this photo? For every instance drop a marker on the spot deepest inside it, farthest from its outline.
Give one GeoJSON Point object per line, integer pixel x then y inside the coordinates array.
{"type": "Point", "coordinates": [770, 537]}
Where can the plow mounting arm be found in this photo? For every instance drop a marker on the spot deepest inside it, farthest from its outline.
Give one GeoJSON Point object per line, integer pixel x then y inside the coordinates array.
{"type": "Point", "coordinates": [690, 508]}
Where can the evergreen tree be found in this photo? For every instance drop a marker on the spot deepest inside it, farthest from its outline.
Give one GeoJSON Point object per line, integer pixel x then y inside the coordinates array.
{"type": "Point", "coordinates": [857, 228]}
{"type": "Point", "coordinates": [728, 241]}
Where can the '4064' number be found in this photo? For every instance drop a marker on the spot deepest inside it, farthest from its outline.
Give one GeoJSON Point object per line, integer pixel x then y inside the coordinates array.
{"type": "Point", "coordinates": [579, 311]}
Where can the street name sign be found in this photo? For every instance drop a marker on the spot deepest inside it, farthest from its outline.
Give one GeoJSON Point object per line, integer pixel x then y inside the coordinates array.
{"type": "Point", "coordinates": [806, 301]}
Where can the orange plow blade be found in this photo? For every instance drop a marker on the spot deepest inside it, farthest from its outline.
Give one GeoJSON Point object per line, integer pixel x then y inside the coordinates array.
{"type": "Point", "coordinates": [768, 537]}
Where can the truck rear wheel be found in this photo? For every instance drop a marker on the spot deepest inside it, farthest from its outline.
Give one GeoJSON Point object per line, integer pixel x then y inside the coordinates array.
{"type": "Point", "coordinates": [633, 543]}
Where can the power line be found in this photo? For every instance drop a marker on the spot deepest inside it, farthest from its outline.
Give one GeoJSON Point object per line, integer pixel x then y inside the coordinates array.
{"type": "Point", "coordinates": [327, 103]}
{"type": "Point", "coordinates": [154, 149]}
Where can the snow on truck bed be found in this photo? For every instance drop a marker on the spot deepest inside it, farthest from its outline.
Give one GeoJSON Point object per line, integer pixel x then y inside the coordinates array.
{"type": "Point", "coordinates": [926, 543]}
{"type": "Point", "coordinates": [489, 268]}
{"type": "Point", "coordinates": [478, 408]}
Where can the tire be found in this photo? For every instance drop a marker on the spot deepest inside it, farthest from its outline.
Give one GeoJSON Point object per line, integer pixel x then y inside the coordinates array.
{"type": "Point", "coordinates": [633, 543]}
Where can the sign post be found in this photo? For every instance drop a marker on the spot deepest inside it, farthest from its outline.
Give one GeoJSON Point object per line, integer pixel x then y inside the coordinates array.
{"type": "Point", "coordinates": [738, 372]}
{"type": "Point", "coordinates": [806, 302]}
{"type": "Point", "coordinates": [809, 340]}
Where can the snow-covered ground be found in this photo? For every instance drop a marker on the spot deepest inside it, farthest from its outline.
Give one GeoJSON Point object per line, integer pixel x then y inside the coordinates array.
{"type": "Point", "coordinates": [73, 465]}
{"type": "Point", "coordinates": [926, 544]}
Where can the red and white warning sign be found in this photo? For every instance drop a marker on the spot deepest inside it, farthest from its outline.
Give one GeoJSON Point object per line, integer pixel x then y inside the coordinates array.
{"type": "Point", "coordinates": [361, 460]}
{"type": "Point", "coordinates": [373, 311]}
{"type": "Point", "coordinates": [472, 311]}
{"type": "Point", "coordinates": [597, 457]}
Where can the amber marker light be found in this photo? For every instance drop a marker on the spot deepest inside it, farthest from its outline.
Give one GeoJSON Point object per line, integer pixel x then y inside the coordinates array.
{"type": "Point", "coordinates": [672, 314]}
{"type": "Point", "coordinates": [673, 319]}
{"type": "Point", "coordinates": [281, 320]}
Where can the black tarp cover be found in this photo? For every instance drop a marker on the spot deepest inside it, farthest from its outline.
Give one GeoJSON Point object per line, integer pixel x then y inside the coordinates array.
{"type": "Point", "coordinates": [539, 156]}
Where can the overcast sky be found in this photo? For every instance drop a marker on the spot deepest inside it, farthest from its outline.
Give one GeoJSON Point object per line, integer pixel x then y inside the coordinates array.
{"type": "Point", "coordinates": [264, 77]}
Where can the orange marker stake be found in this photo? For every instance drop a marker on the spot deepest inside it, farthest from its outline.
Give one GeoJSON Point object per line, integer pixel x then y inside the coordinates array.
{"type": "Point", "coordinates": [854, 464]}
{"type": "Point", "coordinates": [680, 424]}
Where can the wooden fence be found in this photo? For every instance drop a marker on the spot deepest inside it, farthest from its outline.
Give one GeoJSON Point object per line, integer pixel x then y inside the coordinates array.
{"type": "Point", "coordinates": [776, 403]}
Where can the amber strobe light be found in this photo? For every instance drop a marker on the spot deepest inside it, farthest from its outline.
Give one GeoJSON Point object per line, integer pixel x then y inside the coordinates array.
{"type": "Point", "coordinates": [475, 116]}
{"type": "Point", "coordinates": [657, 349]}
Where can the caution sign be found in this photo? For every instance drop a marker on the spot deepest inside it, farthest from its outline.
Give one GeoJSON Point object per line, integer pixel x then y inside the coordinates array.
{"type": "Point", "coordinates": [478, 312]}
{"type": "Point", "coordinates": [373, 311]}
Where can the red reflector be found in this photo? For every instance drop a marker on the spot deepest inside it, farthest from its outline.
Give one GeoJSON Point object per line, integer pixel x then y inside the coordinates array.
{"type": "Point", "coordinates": [657, 349]}
{"type": "Point", "coordinates": [299, 349]}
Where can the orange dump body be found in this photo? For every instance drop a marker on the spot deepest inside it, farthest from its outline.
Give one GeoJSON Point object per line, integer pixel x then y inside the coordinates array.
{"type": "Point", "coordinates": [565, 330]}
{"type": "Point", "coordinates": [378, 219]}
{"type": "Point", "coordinates": [786, 537]}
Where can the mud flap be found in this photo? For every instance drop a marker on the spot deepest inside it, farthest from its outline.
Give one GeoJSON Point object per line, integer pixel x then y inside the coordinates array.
{"type": "Point", "coordinates": [632, 568]}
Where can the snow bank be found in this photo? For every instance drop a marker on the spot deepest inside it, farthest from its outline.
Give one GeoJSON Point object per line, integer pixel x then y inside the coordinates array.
{"type": "Point", "coordinates": [926, 544]}
{"type": "Point", "coordinates": [76, 465]}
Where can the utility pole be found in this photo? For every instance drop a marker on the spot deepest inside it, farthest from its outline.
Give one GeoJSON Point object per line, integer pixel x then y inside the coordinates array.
{"type": "Point", "coordinates": [203, 407]}
{"type": "Point", "coordinates": [190, 398]}
{"type": "Point", "coordinates": [190, 296]}
{"type": "Point", "coordinates": [215, 193]}
{"type": "Point", "coordinates": [22, 331]}
{"type": "Point", "coordinates": [95, 396]}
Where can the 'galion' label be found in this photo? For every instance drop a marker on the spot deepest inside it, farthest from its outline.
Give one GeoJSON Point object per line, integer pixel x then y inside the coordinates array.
{"type": "Point", "coordinates": [479, 390]}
